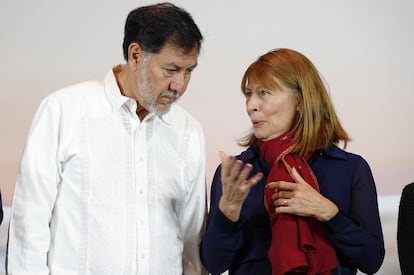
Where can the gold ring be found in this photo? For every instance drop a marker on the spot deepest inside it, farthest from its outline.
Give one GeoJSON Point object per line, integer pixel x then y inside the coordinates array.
{"type": "Point", "coordinates": [285, 202]}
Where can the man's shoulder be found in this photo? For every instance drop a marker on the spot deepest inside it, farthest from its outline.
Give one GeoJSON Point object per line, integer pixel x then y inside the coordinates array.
{"type": "Point", "coordinates": [87, 93]}
{"type": "Point", "coordinates": [80, 89]}
{"type": "Point", "coordinates": [87, 97]}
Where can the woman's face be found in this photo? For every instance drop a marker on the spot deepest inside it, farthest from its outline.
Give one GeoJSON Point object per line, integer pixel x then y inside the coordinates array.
{"type": "Point", "coordinates": [271, 111]}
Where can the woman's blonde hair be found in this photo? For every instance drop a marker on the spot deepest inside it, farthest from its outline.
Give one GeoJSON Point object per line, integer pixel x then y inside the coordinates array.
{"type": "Point", "coordinates": [317, 125]}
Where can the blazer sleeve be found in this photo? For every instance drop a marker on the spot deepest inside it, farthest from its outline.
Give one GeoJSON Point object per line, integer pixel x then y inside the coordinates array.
{"type": "Point", "coordinates": [356, 232]}
{"type": "Point", "coordinates": [223, 238]}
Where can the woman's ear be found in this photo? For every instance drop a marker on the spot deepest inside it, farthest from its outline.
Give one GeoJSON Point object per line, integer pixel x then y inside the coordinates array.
{"type": "Point", "coordinates": [299, 110]}
{"type": "Point", "coordinates": [299, 107]}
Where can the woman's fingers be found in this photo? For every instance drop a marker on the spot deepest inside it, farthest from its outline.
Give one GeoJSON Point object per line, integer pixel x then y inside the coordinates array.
{"type": "Point", "coordinates": [255, 179]}
{"type": "Point", "coordinates": [236, 171]}
{"type": "Point", "coordinates": [225, 164]}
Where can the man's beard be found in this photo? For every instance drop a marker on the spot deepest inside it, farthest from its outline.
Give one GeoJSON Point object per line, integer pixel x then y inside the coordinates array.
{"type": "Point", "coordinates": [149, 101]}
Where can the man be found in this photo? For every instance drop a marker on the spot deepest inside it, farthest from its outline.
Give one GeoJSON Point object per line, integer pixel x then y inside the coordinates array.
{"type": "Point", "coordinates": [112, 180]}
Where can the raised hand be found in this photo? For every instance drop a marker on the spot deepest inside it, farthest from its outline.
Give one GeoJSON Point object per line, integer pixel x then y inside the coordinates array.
{"type": "Point", "coordinates": [235, 185]}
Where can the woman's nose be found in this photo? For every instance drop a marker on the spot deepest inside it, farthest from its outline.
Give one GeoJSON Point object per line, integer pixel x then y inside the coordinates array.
{"type": "Point", "coordinates": [252, 105]}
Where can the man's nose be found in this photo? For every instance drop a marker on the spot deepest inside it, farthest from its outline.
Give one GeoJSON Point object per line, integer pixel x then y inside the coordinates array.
{"type": "Point", "coordinates": [178, 83]}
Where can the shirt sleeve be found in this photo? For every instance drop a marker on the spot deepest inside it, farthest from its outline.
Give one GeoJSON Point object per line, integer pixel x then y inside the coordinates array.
{"type": "Point", "coordinates": [356, 232]}
{"type": "Point", "coordinates": [34, 195]}
{"type": "Point", "coordinates": [223, 238]}
{"type": "Point", "coordinates": [193, 213]}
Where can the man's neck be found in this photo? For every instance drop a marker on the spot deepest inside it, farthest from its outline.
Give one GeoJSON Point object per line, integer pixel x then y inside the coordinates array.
{"type": "Point", "coordinates": [122, 80]}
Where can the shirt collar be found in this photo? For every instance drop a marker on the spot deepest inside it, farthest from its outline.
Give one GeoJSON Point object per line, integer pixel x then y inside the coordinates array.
{"type": "Point", "coordinates": [112, 90]}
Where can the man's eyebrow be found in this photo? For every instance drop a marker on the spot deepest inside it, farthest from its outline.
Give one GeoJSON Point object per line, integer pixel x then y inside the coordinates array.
{"type": "Point", "coordinates": [176, 66]}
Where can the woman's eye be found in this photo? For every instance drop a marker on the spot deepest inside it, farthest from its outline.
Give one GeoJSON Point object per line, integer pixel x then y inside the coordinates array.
{"type": "Point", "coordinates": [263, 93]}
{"type": "Point", "coordinates": [247, 94]}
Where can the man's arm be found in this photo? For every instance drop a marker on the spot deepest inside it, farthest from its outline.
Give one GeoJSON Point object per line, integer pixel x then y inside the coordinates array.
{"type": "Point", "coordinates": [34, 196]}
{"type": "Point", "coordinates": [194, 210]}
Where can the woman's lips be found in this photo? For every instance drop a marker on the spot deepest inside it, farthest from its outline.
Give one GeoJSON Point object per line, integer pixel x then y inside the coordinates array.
{"type": "Point", "coordinates": [257, 123]}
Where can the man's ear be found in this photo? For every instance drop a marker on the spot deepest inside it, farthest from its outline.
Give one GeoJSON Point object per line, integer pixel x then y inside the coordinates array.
{"type": "Point", "coordinates": [134, 53]}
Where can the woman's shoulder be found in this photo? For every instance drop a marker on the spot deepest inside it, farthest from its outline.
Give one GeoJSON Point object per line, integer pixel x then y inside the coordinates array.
{"type": "Point", "coordinates": [335, 152]}
{"type": "Point", "coordinates": [338, 157]}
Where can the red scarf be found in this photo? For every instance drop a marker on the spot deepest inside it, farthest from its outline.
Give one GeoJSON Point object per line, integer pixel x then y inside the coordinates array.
{"type": "Point", "coordinates": [299, 245]}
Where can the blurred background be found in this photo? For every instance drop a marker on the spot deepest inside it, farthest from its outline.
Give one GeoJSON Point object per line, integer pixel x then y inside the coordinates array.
{"type": "Point", "coordinates": [363, 49]}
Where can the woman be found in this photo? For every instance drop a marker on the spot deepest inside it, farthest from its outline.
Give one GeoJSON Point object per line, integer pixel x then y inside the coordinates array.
{"type": "Point", "coordinates": [293, 202]}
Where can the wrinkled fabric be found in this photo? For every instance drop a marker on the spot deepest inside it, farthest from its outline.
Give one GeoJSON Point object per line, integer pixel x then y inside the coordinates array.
{"type": "Point", "coordinates": [100, 192]}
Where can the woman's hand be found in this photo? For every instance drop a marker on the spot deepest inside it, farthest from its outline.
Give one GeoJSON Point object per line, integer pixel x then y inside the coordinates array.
{"type": "Point", "coordinates": [299, 198]}
{"type": "Point", "coordinates": [235, 185]}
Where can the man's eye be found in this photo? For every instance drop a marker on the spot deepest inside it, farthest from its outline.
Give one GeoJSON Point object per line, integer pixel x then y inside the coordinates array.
{"type": "Point", "coordinates": [170, 71]}
{"type": "Point", "coordinates": [187, 73]}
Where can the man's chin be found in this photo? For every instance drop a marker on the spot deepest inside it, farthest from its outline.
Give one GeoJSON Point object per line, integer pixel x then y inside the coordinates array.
{"type": "Point", "coordinates": [162, 109]}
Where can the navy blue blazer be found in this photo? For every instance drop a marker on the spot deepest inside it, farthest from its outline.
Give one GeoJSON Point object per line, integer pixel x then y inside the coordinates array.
{"type": "Point", "coordinates": [355, 232]}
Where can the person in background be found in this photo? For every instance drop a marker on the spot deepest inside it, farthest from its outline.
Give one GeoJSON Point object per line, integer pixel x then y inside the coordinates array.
{"type": "Point", "coordinates": [405, 230]}
{"type": "Point", "coordinates": [112, 179]}
{"type": "Point", "coordinates": [1, 209]}
{"type": "Point", "coordinates": [293, 202]}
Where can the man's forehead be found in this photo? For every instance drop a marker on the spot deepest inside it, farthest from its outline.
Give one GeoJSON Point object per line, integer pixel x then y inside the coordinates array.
{"type": "Point", "coordinates": [176, 57]}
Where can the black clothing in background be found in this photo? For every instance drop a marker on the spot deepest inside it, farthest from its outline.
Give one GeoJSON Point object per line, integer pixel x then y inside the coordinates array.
{"type": "Point", "coordinates": [1, 209]}
{"type": "Point", "coordinates": [405, 230]}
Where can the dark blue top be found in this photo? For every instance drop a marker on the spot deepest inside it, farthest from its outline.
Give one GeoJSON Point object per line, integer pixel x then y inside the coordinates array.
{"type": "Point", "coordinates": [355, 232]}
